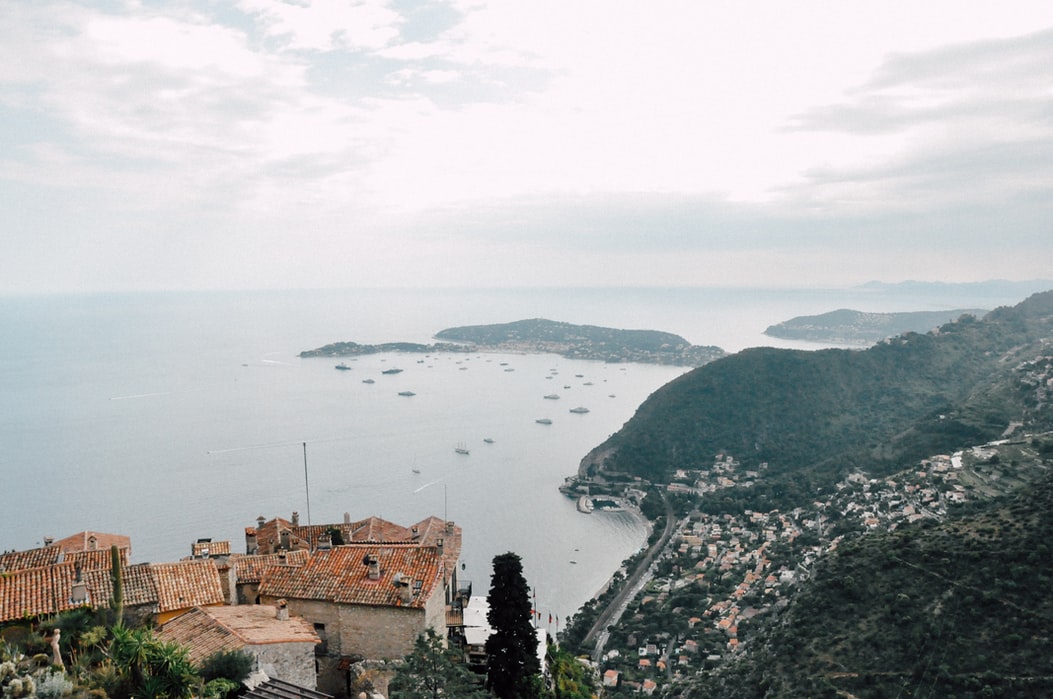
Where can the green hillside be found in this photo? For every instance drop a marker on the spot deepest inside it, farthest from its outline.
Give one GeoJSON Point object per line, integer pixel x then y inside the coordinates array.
{"type": "Point", "coordinates": [959, 608]}
{"type": "Point", "coordinates": [813, 416]}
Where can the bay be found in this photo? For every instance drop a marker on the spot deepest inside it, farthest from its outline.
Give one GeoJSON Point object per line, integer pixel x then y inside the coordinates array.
{"type": "Point", "coordinates": [174, 416]}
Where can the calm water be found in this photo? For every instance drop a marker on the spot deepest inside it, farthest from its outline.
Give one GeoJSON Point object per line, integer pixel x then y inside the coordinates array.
{"type": "Point", "coordinates": [170, 417]}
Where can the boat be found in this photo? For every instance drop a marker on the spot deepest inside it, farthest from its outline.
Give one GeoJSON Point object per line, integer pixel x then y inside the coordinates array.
{"type": "Point", "coordinates": [461, 448]}
{"type": "Point", "coordinates": [416, 470]}
{"type": "Point", "coordinates": [392, 371]}
{"type": "Point", "coordinates": [543, 421]}
{"type": "Point", "coordinates": [585, 505]}
{"type": "Point", "coordinates": [343, 367]}
{"type": "Point", "coordinates": [552, 396]}
{"type": "Point", "coordinates": [488, 440]}
{"type": "Point", "coordinates": [407, 393]}
{"type": "Point", "coordinates": [580, 410]}
{"type": "Point", "coordinates": [368, 381]}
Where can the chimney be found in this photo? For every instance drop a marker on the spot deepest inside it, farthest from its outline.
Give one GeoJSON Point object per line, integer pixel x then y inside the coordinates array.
{"type": "Point", "coordinates": [78, 593]}
{"type": "Point", "coordinates": [92, 542]}
{"type": "Point", "coordinates": [449, 526]}
{"type": "Point", "coordinates": [260, 521]}
{"type": "Point", "coordinates": [416, 533]}
{"type": "Point", "coordinates": [373, 567]}
{"type": "Point", "coordinates": [347, 518]}
{"type": "Point", "coordinates": [438, 544]}
{"type": "Point", "coordinates": [296, 519]}
{"type": "Point", "coordinates": [48, 541]}
{"type": "Point", "coordinates": [404, 589]}
{"type": "Point", "coordinates": [251, 544]}
{"type": "Point", "coordinates": [282, 610]}
{"type": "Point", "coordinates": [325, 541]}
{"type": "Point", "coordinates": [284, 539]}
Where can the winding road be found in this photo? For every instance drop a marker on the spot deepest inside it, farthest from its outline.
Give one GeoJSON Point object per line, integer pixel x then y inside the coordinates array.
{"type": "Point", "coordinates": [636, 581]}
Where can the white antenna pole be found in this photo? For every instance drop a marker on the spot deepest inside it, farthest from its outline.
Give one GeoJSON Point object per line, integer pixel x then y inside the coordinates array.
{"type": "Point", "coordinates": [306, 484]}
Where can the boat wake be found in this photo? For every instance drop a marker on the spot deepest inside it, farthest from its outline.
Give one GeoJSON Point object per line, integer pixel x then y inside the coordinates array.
{"type": "Point", "coordinates": [141, 395]}
{"type": "Point", "coordinates": [427, 485]}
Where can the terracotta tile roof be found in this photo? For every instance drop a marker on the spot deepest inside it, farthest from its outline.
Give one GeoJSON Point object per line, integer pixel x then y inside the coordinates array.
{"type": "Point", "coordinates": [249, 569]}
{"type": "Point", "coordinates": [138, 582]}
{"type": "Point", "coordinates": [186, 584]}
{"type": "Point", "coordinates": [268, 534]}
{"type": "Point", "coordinates": [340, 575]}
{"type": "Point", "coordinates": [50, 555]}
{"type": "Point", "coordinates": [96, 560]}
{"type": "Point", "coordinates": [34, 591]}
{"type": "Point", "coordinates": [33, 558]}
{"type": "Point", "coordinates": [428, 532]}
{"type": "Point", "coordinates": [202, 549]}
{"type": "Point", "coordinates": [433, 530]}
{"type": "Point", "coordinates": [91, 541]}
{"type": "Point", "coordinates": [209, 630]}
{"type": "Point", "coordinates": [377, 529]}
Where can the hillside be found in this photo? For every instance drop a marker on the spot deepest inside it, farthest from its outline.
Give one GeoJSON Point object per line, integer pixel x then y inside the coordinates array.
{"type": "Point", "coordinates": [812, 416]}
{"type": "Point", "coordinates": [850, 327]}
{"type": "Point", "coordinates": [546, 336]}
{"type": "Point", "coordinates": [583, 342]}
{"type": "Point", "coordinates": [937, 609]}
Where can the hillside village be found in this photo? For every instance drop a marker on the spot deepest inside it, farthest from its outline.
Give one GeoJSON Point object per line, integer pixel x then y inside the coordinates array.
{"type": "Point", "coordinates": [324, 608]}
{"type": "Point", "coordinates": [723, 572]}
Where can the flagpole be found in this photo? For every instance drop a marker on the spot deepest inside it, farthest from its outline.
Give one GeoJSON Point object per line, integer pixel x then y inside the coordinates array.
{"type": "Point", "coordinates": [306, 484]}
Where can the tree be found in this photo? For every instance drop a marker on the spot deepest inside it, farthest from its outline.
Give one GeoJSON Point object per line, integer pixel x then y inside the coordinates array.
{"type": "Point", "coordinates": [570, 679]}
{"type": "Point", "coordinates": [431, 671]}
{"type": "Point", "coordinates": [512, 666]}
{"type": "Point", "coordinates": [117, 603]}
{"type": "Point", "coordinates": [149, 667]}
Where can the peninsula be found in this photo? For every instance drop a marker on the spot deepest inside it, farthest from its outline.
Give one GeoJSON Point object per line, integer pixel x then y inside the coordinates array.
{"type": "Point", "coordinates": [849, 327]}
{"type": "Point", "coordinates": [542, 336]}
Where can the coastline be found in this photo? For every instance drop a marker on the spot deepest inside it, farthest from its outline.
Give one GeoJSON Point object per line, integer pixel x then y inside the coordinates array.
{"type": "Point", "coordinates": [646, 524]}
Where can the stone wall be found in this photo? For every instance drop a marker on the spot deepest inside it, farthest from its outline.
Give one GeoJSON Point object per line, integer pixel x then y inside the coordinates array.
{"type": "Point", "coordinates": [292, 662]}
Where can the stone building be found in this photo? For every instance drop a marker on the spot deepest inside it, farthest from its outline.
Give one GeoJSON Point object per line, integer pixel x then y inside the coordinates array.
{"type": "Point", "coordinates": [364, 601]}
{"type": "Point", "coordinates": [283, 646]}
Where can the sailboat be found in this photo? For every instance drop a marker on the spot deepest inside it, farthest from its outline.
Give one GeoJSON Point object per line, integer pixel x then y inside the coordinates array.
{"type": "Point", "coordinates": [461, 448]}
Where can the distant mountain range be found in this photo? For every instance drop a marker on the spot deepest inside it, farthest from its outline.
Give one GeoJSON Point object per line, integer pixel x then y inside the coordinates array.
{"type": "Point", "coordinates": [994, 287]}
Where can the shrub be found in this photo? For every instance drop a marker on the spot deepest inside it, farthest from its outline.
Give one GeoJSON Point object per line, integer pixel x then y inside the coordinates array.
{"type": "Point", "coordinates": [54, 685]}
{"type": "Point", "coordinates": [234, 665]}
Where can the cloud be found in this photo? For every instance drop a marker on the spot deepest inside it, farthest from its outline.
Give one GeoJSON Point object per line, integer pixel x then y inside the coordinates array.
{"type": "Point", "coordinates": [538, 141]}
{"type": "Point", "coordinates": [1003, 80]}
{"type": "Point", "coordinates": [326, 25]}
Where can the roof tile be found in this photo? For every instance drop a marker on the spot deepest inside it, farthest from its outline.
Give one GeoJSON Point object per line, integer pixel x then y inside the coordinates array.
{"type": "Point", "coordinates": [340, 575]}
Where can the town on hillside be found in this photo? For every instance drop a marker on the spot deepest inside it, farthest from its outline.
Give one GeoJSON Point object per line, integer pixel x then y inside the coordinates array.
{"type": "Point", "coordinates": [737, 568]}
{"type": "Point", "coordinates": [323, 608]}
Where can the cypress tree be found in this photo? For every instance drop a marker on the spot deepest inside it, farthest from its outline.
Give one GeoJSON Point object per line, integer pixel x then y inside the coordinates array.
{"type": "Point", "coordinates": [512, 665]}
{"type": "Point", "coordinates": [117, 576]}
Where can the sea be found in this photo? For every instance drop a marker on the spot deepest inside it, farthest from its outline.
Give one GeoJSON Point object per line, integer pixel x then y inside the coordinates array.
{"type": "Point", "coordinates": [176, 416]}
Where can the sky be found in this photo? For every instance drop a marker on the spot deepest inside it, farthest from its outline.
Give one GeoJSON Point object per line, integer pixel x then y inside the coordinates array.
{"type": "Point", "coordinates": [270, 144]}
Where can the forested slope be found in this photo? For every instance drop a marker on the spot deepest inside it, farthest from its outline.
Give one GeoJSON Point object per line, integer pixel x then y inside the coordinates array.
{"type": "Point", "coordinates": [812, 416]}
